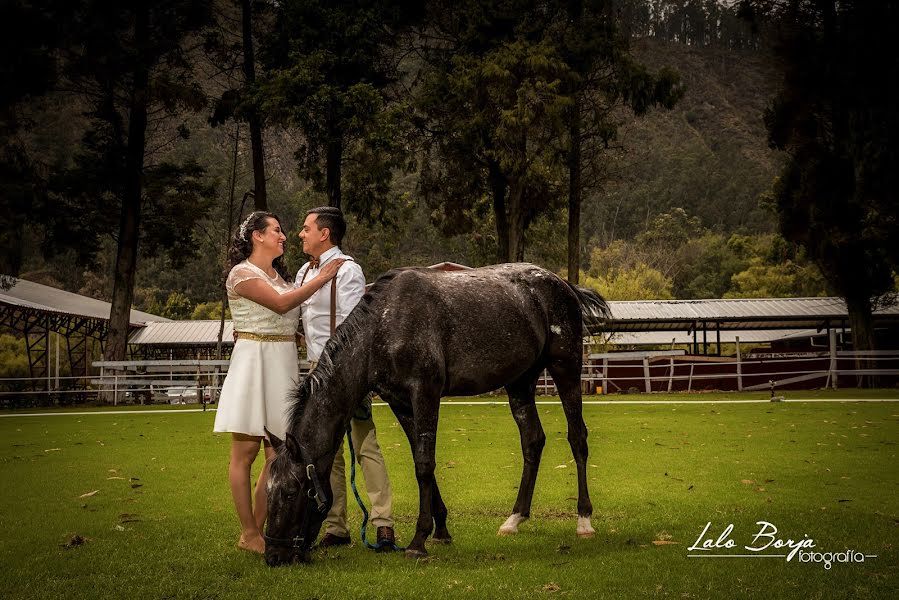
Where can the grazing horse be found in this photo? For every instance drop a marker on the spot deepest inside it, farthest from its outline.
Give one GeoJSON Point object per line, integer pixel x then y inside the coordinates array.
{"type": "Point", "coordinates": [418, 335]}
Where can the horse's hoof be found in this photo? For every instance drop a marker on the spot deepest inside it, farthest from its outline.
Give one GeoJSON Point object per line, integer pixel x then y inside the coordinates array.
{"type": "Point", "coordinates": [510, 527]}
{"type": "Point", "coordinates": [416, 554]}
{"type": "Point", "coordinates": [584, 528]}
{"type": "Point", "coordinates": [442, 540]}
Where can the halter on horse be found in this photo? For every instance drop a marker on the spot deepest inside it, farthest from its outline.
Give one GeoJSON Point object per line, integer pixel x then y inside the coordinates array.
{"type": "Point", "coordinates": [416, 336]}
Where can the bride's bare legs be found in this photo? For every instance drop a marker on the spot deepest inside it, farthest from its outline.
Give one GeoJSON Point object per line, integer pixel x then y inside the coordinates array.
{"type": "Point", "coordinates": [260, 512]}
{"type": "Point", "coordinates": [244, 450]}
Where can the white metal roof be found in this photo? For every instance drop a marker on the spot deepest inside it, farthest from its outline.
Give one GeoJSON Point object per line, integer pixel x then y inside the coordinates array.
{"type": "Point", "coordinates": [728, 336]}
{"type": "Point", "coordinates": [35, 296]}
{"type": "Point", "coordinates": [183, 333]}
{"type": "Point", "coordinates": [743, 313]}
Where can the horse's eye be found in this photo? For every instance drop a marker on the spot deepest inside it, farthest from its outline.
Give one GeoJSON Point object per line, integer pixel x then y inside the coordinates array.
{"type": "Point", "coordinates": [290, 495]}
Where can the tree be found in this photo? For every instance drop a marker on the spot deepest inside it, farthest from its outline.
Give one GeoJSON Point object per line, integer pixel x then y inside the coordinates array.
{"type": "Point", "coordinates": [515, 96]}
{"type": "Point", "coordinates": [128, 64]}
{"type": "Point", "coordinates": [782, 280]}
{"type": "Point", "coordinates": [235, 52]}
{"type": "Point", "coordinates": [707, 265]}
{"type": "Point", "coordinates": [604, 77]}
{"type": "Point", "coordinates": [640, 282]}
{"type": "Point", "coordinates": [252, 114]}
{"type": "Point", "coordinates": [491, 104]}
{"type": "Point", "coordinates": [209, 311]}
{"type": "Point", "coordinates": [330, 70]}
{"type": "Point", "coordinates": [837, 120]}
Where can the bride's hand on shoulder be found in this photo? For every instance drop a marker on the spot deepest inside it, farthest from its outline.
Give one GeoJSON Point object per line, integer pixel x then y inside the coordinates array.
{"type": "Point", "coordinates": [330, 270]}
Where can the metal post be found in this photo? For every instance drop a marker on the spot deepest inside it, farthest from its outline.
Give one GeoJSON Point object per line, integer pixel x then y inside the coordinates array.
{"type": "Point", "coordinates": [646, 374]}
{"type": "Point", "coordinates": [115, 390]}
{"type": "Point", "coordinates": [200, 397]}
{"type": "Point", "coordinates": [739, 367]}
{"type": "Point", "coordinates": [671, 367]}
{"type": "Point", "coordinates": [832, 374]}
{"type": "Point", "coordinates": [56, 383]}
{"type": "Point", "coordinates": [690, 379]}
{"type": "Point", "coordinates": [605, 375]}
{"type": "Point", "coordinates": [47, 358]}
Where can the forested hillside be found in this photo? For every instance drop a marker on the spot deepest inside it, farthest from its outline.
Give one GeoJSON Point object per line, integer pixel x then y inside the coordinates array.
{"type": "Point", "coordinates": [708, 156]}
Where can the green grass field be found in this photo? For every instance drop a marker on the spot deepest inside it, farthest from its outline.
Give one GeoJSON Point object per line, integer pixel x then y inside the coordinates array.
{"type": "Point", "coordinates": [148, 494]}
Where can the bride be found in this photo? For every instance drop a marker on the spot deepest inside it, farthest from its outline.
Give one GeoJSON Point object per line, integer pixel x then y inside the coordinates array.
{"type": "Point", "coordinates": [265, 312]}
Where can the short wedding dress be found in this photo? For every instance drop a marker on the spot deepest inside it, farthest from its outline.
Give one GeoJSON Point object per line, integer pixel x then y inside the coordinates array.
{"type": "Point", "coordinates": [262, 374]}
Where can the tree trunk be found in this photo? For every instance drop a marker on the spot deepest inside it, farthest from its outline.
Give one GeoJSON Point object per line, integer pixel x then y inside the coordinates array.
{"type": "Point", "coordinates": [333, 169]}
{"type": "Point", "coordinates": [517, 223]}
{"type": "Point", "coordinates": [574, 194]}
{"type": "Point", "coordinates": [861, 322]}
{"type": "Point", "coordinates": [129, 222]}
{"type": "Point", "coordinates": [249, 69]}
{"type": "Point", "coordinates": [499, 187]}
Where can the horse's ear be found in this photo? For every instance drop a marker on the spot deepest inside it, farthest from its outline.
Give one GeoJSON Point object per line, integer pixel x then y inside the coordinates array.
{"type": "Point", "coordinates": [275, 440]}
{"type": "Point", "coordinates": [293, 448]}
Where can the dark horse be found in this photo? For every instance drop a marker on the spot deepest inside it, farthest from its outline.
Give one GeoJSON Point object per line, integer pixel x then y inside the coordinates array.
{"type": "Point", "coordinates": [418, 335]}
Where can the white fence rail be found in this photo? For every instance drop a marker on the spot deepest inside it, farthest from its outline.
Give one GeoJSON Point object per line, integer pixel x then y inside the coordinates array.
{"type": "Point", "coordinates": [199, 381]}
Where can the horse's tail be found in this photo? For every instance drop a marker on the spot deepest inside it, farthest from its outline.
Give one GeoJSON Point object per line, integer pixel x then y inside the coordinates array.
{"type": "Point", "coordinates": [594, 308]}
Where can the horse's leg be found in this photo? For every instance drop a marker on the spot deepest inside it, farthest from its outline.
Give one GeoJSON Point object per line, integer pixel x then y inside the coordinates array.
{"type": "Point", "coordinates": [422, 440]}
{"type": "Point", "coordinates": [521, 400]}
{"type": "Point", "coordinates": [567, 377]}
{"type": "Point", "coordinates": [438, 509]}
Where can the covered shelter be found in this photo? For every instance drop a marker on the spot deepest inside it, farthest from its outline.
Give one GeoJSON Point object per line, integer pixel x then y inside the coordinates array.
{"type": "Point", "coordinates": [76, 322]}
{"type": "Point", "coordinates": [182, 340]}
{"type": "Point", "coordinates": [706, 322]}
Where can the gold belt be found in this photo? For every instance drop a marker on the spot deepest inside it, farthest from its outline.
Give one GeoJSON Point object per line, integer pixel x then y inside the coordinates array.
{"type": "Point", "coordinates": [264, 337]}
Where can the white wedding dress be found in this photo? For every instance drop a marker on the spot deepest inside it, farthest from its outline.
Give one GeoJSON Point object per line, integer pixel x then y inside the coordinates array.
{"type": "Point", "coordinates": [262, 374]}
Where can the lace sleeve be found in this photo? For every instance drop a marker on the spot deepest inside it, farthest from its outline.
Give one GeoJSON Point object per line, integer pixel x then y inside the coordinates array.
{"type": "Point", "coordinates": [239, 274]}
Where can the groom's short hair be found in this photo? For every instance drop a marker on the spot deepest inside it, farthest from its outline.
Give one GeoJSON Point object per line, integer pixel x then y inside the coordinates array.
{"type": "Point", "coordinates": [330, 217]}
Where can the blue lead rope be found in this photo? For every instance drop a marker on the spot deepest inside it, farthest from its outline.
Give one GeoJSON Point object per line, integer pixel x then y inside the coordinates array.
{"type": "Point", "coordinates": [365, 542]}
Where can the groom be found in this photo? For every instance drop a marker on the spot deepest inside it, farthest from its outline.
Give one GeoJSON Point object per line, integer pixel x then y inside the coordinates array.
{"type": "Point", "coordinates": [322, 233]}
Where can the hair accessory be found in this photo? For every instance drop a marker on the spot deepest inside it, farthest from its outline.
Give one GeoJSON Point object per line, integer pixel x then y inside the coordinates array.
{"type": "Point", "coordinates": [242, 234]}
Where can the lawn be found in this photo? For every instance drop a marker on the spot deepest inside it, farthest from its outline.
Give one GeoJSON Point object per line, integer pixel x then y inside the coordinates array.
{"type": "Point", "coordinates": [147, 493]}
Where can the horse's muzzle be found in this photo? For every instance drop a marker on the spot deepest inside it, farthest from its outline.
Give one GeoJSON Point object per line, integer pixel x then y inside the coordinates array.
{"type": "Point", "coordinates": [279, 557]}
{"type": "Point", "coordinates": [285, 551]}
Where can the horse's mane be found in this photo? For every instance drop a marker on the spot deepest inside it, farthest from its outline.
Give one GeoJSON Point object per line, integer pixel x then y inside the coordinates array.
{"type": "Point", "coordinates": [355, 322]}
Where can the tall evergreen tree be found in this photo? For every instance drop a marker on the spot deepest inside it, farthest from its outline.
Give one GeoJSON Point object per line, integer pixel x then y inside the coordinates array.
{"type": "Point", "coordinates": [331, 68]}
{"type": "Point", "coordinates": [604, 77]}
{"type": "Point", "coordinates": [128, 64]}
{"type": "Point", "coordinates": [231, 45]}
{"type": "Point", "coordinates": [838, 122]}
{"type": "Point", "coordinates": [512, 91]}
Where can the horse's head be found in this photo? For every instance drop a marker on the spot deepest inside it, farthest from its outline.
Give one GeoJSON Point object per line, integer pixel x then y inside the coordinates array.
{"type": "Point", "coordinates": [298, 502]}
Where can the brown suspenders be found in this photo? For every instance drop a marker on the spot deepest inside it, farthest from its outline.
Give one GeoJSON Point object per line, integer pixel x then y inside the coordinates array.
{"type": "Point", "coordinates": [333, 298]}
{"type": "Point", "coordinates": [333, 304]}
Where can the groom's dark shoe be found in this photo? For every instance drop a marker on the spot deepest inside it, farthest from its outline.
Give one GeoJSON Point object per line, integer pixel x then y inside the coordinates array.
{"type": "Point", "coordinates": [334, 540]}
{"type": "Point", "coordinates": [386, 539]}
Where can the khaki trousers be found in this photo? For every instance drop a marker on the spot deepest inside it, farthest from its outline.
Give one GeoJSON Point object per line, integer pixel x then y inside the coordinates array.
{"type": "Point", "coordinates": [374, 470]}
{"type": "Point", "coordinates": [368, 456]}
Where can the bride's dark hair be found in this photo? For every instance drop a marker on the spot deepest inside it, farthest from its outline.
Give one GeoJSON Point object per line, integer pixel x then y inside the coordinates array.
{"type": "Point", "coordinates": [242, 242]}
